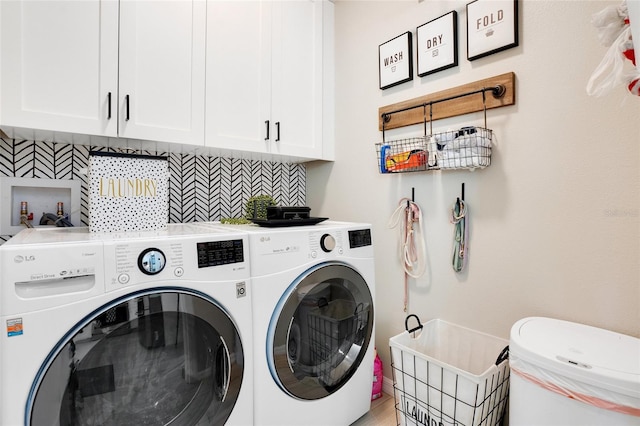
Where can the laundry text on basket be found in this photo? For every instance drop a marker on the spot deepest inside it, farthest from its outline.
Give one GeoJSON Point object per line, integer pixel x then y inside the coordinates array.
{"type": "Point", "coordinates": [123, 187]}
{"type": "Point", "coordinates": [420, 414]}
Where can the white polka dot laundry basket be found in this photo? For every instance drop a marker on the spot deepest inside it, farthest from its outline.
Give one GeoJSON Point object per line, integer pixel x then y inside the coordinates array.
{"type": "Point", "coordinates": [127, 192]}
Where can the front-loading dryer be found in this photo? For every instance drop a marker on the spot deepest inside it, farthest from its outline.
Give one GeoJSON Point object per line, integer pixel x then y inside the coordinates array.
{"type": "Point", "coordinates": [141, 328]}
{"type": "Point", "coordinates": [313, 323]}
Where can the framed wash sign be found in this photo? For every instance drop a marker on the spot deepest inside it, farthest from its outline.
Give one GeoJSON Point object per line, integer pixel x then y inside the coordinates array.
{"type": "Point", "coordinates": [438, 44]}
{"type": "Point", "coordinates": [492, 26]}
{"type": "Point", "coordinates": [396, 62]}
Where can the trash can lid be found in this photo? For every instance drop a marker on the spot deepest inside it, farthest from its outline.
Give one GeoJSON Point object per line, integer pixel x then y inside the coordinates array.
{"type": "Point", "coordinates": [592, 355]}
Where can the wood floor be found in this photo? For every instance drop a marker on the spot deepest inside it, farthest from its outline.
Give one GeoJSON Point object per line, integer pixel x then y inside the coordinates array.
{"type": "Point", "coordinates": [382, 413]}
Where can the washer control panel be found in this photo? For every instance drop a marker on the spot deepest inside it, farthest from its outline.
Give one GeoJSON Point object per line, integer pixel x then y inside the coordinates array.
{"type": "Point", "coordinates": [133, 262]}
{"type": "Point", "coordinates": [215, 253]}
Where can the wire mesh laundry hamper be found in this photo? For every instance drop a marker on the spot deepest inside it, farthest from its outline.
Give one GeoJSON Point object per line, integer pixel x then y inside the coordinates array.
{"type": "Point", "coordinates": [466, 148]}
{"type": "Point", "coordinates": [449, 375]}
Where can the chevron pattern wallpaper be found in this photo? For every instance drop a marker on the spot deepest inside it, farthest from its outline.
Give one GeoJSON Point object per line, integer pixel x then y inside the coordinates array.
{"type": "Point", "coordinates": [201, 188]}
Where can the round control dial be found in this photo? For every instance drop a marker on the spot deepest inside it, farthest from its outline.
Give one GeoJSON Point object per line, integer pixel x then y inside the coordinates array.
{"type": "Point", "coordinates": [327, 243]}
{"type": "Point", "coordinates": [151, 261]}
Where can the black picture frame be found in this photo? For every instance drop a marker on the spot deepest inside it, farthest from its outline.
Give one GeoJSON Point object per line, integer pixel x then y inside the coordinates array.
{"type": "Point", "coordinates": [492, 27]}
{"type": "Point", "coordinates": [437, 44]}
{"type": "Point", "coordinates": [395, 59]}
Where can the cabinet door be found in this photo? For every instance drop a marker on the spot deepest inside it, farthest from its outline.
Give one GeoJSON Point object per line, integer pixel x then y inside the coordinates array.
{"type": "Point", "coordinates": [238, 75]}
{"type": "Point", "coordinates": [297, 100]}
{"type": "Point", "coordinates": [161, 79]}
{"type": "Point", "coordinates": [59, 65]}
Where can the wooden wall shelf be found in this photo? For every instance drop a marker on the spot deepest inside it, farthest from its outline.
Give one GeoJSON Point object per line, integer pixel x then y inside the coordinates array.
{"type": "Point", "coordinates": [451, 108]}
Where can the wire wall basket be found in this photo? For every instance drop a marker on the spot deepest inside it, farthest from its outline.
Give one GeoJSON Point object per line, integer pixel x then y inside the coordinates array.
{"type": "Point", "coordinates": [466, 148]}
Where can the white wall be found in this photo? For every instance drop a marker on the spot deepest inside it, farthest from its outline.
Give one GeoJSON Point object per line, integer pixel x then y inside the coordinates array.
{"type": "Point", "coordinates": [555, 220]}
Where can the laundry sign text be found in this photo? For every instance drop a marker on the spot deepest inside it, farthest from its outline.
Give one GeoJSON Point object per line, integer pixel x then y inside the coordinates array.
{"type": "Point", "coordinates": [434, 41]}
{"type": "Point", "coordinates": [127, 187]}
{"type": "Point", "coordinates": [421, 415]}
{"type": "Point", "coordinates": [394, 59]}
{"type": "Point", "coordinates": [490, 19]}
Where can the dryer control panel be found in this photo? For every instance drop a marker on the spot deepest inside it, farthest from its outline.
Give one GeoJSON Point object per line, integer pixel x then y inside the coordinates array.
{"type": "Point", "coordinates": [359, 238]}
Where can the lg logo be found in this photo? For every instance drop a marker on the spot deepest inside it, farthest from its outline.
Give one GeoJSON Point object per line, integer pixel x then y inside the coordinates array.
{"type": "Point", "coordinates": [20, 259]}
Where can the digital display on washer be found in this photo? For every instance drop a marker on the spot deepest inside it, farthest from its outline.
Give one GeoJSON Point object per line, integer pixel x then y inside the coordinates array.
{"type": "Point", "coordinates": [360, 238]}
{"type": "Point", "coordinates": [215, 253]}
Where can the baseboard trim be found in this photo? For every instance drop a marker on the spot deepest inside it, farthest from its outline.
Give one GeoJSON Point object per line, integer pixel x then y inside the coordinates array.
{"type": "Point", "coordinates": [387, 385]}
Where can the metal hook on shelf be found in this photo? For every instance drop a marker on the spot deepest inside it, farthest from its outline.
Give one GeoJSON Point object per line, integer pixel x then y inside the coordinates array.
{"type": "Point", "coordinates": [385, 119]}
{"type": "Point", "coordinates": [424, 118]}
{"type": "Point", "coordinates": [484, 107]}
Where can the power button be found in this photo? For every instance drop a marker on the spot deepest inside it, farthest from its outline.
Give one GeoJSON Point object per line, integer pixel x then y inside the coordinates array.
{"type": "Point", "coordinates": [123, 278]}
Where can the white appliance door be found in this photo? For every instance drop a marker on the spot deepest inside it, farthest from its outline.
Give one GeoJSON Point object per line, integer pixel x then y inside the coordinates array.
{"type": "Point", "coordinates": [157, 357]}
{"type": "Point", "coordinates": [320, 331]}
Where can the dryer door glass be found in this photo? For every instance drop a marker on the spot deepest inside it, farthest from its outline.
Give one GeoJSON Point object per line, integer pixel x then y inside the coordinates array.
{"type": "Point", "coordinates": [322, 331]}
{"type": "Point", "coordinates": [152, 358]}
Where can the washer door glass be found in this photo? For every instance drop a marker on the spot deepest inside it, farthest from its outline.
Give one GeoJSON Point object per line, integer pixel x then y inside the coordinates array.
{"type": "Point", "coordinates": [321, 331]}
{"type": "Point", "coordinates": [153, 358]}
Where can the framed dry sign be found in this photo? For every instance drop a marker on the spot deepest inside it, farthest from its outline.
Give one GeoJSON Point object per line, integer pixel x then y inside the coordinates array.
{"type": "Point", "coordinates": [396, 62]}
{"type": "Point", "coordinates": [438, 44]}
{"type": "Point", "coordinates": [492, 26]}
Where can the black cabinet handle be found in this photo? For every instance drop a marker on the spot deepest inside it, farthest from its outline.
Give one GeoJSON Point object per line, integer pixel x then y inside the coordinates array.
{"type": "Point", "coordinates": [109, 106]}
{"type": "Point", "coordinates": [277, 131]}
{"type": "Point", "coordinates": [126, 100]}
{"type": "Point", "coordinates": [267, 124]}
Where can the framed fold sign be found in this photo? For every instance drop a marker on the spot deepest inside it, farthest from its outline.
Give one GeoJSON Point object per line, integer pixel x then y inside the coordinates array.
{"type": "Point", "coordinates": [438, 44]}
{"type": "Point", "coordinates": [492, 26]}
{"type": "Point", "coordinates": [396, 62]}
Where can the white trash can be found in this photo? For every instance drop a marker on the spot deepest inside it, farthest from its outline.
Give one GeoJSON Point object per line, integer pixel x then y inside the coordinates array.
{"type": "Point", "coordinates": [563, 373]}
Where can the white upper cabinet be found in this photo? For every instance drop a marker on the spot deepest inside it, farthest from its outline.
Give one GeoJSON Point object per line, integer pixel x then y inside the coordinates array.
{"type": "Point", "coordinates": [238, 78]}
{"type": "Point", "coordinates": [269, 80]}
{"type": "Point", "coordinates": [59, 65]}
{"type": "Point", "coordinates": [162, 75]}
{"type": "Point", "coordinates": [296, 100]}
{"type": "Point", "coordinates": [125, 68]}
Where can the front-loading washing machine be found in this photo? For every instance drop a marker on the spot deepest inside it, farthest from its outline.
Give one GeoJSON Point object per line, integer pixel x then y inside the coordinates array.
{"type": "Point", "coordinates": [140, 328]}
{"type": "Point", "coordinates": [313, 323]}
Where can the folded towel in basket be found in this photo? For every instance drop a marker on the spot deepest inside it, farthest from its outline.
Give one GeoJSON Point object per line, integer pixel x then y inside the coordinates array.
{"type": "Point", "coordinates": [465, 151]}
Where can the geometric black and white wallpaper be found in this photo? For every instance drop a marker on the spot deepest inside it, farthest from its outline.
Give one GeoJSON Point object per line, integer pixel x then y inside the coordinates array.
{"type": "Point", "coordinates": [201, 188]}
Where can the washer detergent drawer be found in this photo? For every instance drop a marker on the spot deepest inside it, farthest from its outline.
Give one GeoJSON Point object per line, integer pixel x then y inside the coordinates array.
{"type": "Point", "coordinates": [37, 277]}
